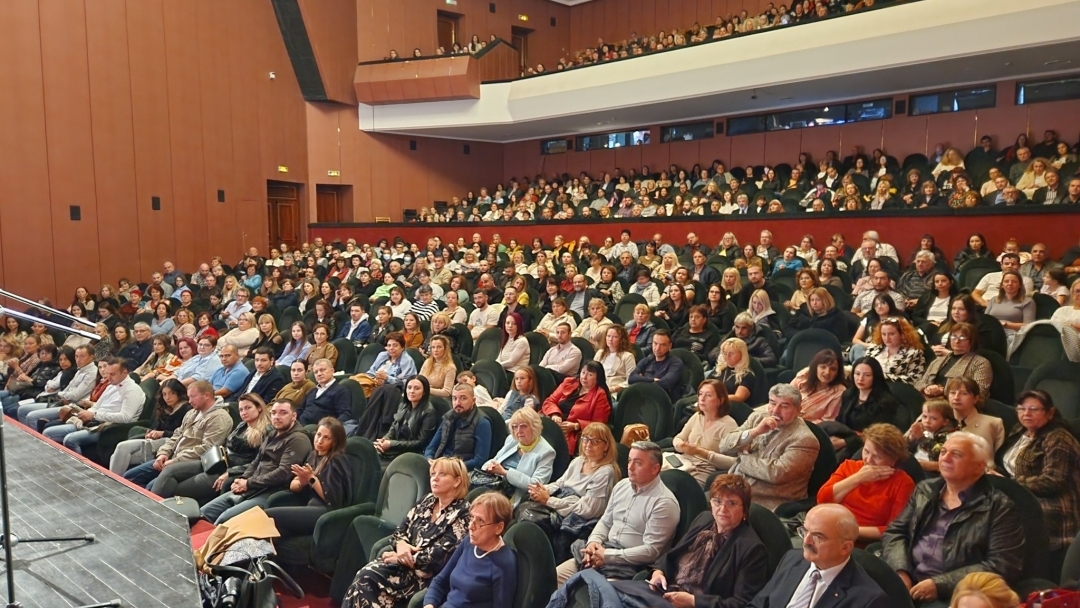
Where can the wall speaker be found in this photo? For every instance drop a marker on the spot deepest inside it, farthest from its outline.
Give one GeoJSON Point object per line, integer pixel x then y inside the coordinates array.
{"type": "Point", "coordinates": [491, 7]}
{"type": "Point", "coordinates": [901, 107]}
{"type": "Point", "coordinates": [719, 128]}
{"type": "Point", "coordinates": [221, 196]}
{"type": "Point", "coordinates": [76, 213]}
{"type": "Point", "coordinates": [412, 144]}
{"type": "Point", "coordinates": [466, 149]}
{"type": "Point", "coordinates": [155, 203]}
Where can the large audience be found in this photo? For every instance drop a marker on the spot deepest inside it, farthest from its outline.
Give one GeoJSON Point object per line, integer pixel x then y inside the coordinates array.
{"type": "Point", "coordinates": [580, 332]}
{"type": "Point", "coordinates": [1020, 174]}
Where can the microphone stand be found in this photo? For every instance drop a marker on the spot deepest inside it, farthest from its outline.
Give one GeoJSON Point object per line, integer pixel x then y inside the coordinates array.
{"type": "Point", "coordinates": [8, 540]}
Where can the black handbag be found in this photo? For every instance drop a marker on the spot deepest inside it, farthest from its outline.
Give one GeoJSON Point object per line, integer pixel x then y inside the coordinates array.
{"type": "Point", "coordinates": [489, 481]}
{"type": "Point", "coordinates": [214, 461]}
{"type": "Point", "coordinates": [234, 587]}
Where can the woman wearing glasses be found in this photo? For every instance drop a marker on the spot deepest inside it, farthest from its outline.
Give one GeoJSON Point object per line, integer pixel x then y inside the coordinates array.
{"type": "Point", "coordinates": [482, 572]}
{"type": "Point", "coordinates": [961, 361]}
{"type": "Point", "coordinates": [526, 458]}
{"type": "Point", "coordinates": [720, 561]}
{"type": "Point", "coordinates": [1042, 455]}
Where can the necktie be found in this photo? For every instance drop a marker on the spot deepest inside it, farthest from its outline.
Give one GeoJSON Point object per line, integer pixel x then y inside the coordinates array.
{"type": "Point", "coordinates": [805, 597]}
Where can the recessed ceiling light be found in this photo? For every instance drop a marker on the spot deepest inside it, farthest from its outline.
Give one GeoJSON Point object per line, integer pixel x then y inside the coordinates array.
{"type": "Point", "coordinates": [1057, 61]}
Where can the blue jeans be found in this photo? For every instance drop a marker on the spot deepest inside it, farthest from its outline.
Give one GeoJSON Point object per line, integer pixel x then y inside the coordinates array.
{"type": "Point", "coordinates": [24, 411]}
{"type": "Point", "coordinates": [10, 404]}
{"type": "Point", "coordinates": [143, 474]}
{"type": "Point", "coordinates": [48, 415]}
{"type": "Point", "coordinates": [72, 438]}
{"type": "Point", "coordinates": [229, 505]}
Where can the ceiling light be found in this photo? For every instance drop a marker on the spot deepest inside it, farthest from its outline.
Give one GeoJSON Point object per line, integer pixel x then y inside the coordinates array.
{"type": "Point", "coordinates": [1057, 61]}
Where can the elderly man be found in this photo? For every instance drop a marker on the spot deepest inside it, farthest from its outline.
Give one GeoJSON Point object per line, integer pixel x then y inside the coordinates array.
{"type": "Point", "coordinates": [693, 243]}
{"type": "Point", "coordinates": [121, 402]}
{"type": "Point", "coordinates": [1023, 159]}
{"type": "Point", "coordinates": [637, 525]}
{"type": "Point", "coordinates": [822, 572]}
{"type": "Point", "coordinates": [237, 307]}
{"type": "Point", "coordinates": [774, 449]}
{"type": "Point", "coordinates": [329, 399]}
{"type": "Point", "coordinates": [464, 431]}
{"type": "Point", "coordinates": [765, 249]}
{"type": "Point", "coordinates": [204, 426]}
{"type": "Point", "coordinates": [955, 525]}
{"type": "Point", "coordinates": [880, 282]}
{"type": "Point", "coordinates": [990, 284]}
{"type": "Point", "coordinates": [271, 471]}
{"type": "Point", "coordinates": [1039, 264]}
{"type": "Point", "coordinates": [137, 352]}
{"type": "Point", "coordinates": [1053, 192]}
{"type": "Point", "coordinates": [578, 299]}
{"type": "Point", "coordinates": [917, 281]}
{"type": "Point", "coordinates": [563, 358]}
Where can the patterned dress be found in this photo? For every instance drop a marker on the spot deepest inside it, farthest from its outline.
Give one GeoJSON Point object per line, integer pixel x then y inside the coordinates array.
{"type": "Point", "coordinates": [381, 585]}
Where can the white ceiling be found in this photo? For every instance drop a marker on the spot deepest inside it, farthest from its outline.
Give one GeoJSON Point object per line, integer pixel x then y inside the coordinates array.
{"type": "Point", "coordinates": [571, 2]}
{"type": "Point", "coordinates": [925, 45]}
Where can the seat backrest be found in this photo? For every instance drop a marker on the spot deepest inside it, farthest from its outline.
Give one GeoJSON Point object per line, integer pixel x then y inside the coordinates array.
{"type": "Point", "coordinates": [1070, 569]}
{"type": "Point", "coordinates": [366, 469]}
{"type": "Point", "coordinates": [693, 370]}
{"type": "Point", "coordinates": [1006, 412]}
{"type": "Point", "coordinates": [622, 456]}
{"type": "Point", "coordinates": [1036, 542]}
{"type": "Point", "coordinates": [772, 532]}
{"type": "Point", "coordinates": [557, 440]}
{"type": "Point", "coordinates": [405, 482]}
{"type": "Point", "coordinates": [1042, 344]}
{"type": "Point", "coordinates": [588, 351]}
{"type": "Point", "coordinates": [289, 316]}
{"type": "Point", "coordinates": [536, 579]}
{"type": "Point", "coordinates": [739, 411]}
{"type": "Point", "coordinates": [465, 341]}
{"type": "Point", "coordinates": [1045, 306]}
{"type": "Point", "coordinates": [807, 343]}
{"type": "Point", "coordinates": [760, 393]}
{"type": "Point", "coordinates": [416, 356]}
{"type": "Point", "coordinates": [359, 400]}
{"type": "Point", "coordinates": [647, 403]}
{"type": "Point", "coordinates": [498, 429]}
{"type": "Point", "coordinates": [1061, 379]}
{"type": "Point", "coordinates": [367, 357]}
{"type": "Point", "coordinates": [538, 345]}
{"type": "Point", "coordinates": [1002, 387]}
{"type": "Point", "coordinates": [491, 376]}
{"type": "Point", "coordinates": [884, 576]}
{"type": "Point", "coordinates": [625, 309]}
{"type": "Point", "coordinates": [909, 397]}
{"type": "Point", "coordinates": [545, 381]}
{"type": "Point", "coordinates": [488, 345]}
{"type": "Point", "coordinates": [688, 492]}
{"type": "Point", "coordinates": [346, 355]}
{"type": "Point", "coordinates": [825, 464]}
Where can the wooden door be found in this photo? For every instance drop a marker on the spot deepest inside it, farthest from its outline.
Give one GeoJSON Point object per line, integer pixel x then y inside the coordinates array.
{"type": "Point", "coordinates": [327, 206]}
{"type": "Point", "coordinates": [283, 210]}
{"type": "Point", "coordinates": [447, 31]}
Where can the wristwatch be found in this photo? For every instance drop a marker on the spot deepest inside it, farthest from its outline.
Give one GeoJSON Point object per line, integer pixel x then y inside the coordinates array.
{"type": "Point", "coordinates": [311, 482]}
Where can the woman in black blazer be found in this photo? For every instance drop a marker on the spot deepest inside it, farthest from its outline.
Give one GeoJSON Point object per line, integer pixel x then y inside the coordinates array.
{"type": "Point", "coordinates": [732, 564]}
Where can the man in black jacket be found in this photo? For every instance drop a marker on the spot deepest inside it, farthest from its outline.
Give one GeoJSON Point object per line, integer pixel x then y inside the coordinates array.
{"type": "Point", "coordinates": [829, 535]}
{"type": "Point", "coordinates": [266, 380]}
{"type": "Point", "coordinates": [270, 471]}
{"type": "Point", "coordinates": [328, 399]}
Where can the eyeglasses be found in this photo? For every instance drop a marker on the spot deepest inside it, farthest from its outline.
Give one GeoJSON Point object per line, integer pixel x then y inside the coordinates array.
{"type": "Point", "coordinates": [730, 504]}
{"type": "Point", "coordinates": [817, 536]}
{"type": "Point", "coordinates": [959, 338]}
{"type": "Point", "coordinates": [478, 524]}
{"type": "Point", "coordinates": [593, 440]}
{"type": "Point", "coordinates": [1029, 410]}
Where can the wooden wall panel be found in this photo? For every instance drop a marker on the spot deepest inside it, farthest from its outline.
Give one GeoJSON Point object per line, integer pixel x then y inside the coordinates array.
{"type": "Point", "coordinates": [684, 153]}
{"type": "Point", "coordinates": [747, 150]}
{"type": "Point", "coordinates": [331, 28]}
{"type": "Point", "coordinates": [25, 215]}
{"type": "Point", "coordinates": [717, 148]}
{"type": "Point", "coordinates": [217, 139]}
{"type": "Point", "coordinates": [69, 141]}
{"type": "Point", "coordinates": [114, 154]}
{"type": "Point", "coordinates": [866, 135]}
{"type": "Point", "coordinates": [905, 135]}
{"type": "Point", "coordinates": [150, 116]}
{"type": "Point", "coordinates": [956, 130]}
{"type": "Point", "coordinates": [779, 144]}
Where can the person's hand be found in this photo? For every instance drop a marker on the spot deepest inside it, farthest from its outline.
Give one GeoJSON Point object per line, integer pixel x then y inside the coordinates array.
{"type": "Point", "coordinates": [658, 581]}
{"type": "Point", "coordinates": [154, 434]}
{"type": "Point", "coordinates": [239, 486]}
{"type": "Point", "coordinates": [837, 443]}
{"type": "Point", "coordinates": [220, 482]}
{"type": "Point", "coordinates": [924, 591]}
{"type": "Point", "coordinates": [934, 390]}
{"type": "Point", "coordinates": [381, 375]}
{"type": "Point", "coordinates": [495, 469]}
{"type": "Point", "coordinates": [870, 473]}
{"type": "Point", "coordinates": [767, 425]}
{"type": "Point", "coordinates": [303, 473]}
{"type": "Point", "coordinates": [567, 427]}
{"type": "Point", "coordinates": [405, 554]}
{"type": "Point", "coordinates": [382, 445]}
{"type": "Point", "coordinates": [940, 350]}
{"type": "Point", "coordinates": [680, 599]}
{"type": "Point", "coordinates": [159, 462]}
{"type": "Point", "coordinates": [916, 431]}
{"type": "Point", "coordinates": [86, 415]}
{"type": "Point", "coordinates": [539, 493]}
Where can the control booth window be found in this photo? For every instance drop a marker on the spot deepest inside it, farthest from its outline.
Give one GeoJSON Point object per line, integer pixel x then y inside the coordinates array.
{"type": "Point", "coordinates": [953, 101]}
{"type": "Point", "coordinates": [621, 139]}
{"type": "Point", "coordinates": [690, 132]}
{"type": "Point", "coordinates": [554, 146]}
{"type": "Point", "coordinates": [1040, 91]}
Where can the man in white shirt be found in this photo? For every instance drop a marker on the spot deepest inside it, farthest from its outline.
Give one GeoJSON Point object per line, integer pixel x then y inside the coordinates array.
{"type": "Point", "coordinates": [624, 244]}
{"type": "Point", "coordinates": [822, 572]}
{"type": "Point", "coordinates": [990, 285]}
{"type": "Point", "coordinates": [563, 358]}
{"type": "Point", "coordinates": [882, 249]}
{"type": "Point", "coordinates": [121, 402]}
{"type": "Point", "coordinates": [483, 316]}
{"type": "Point", "coordinates": [237, 307]}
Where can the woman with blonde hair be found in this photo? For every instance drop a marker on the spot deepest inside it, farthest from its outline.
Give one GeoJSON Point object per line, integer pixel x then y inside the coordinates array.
{"type": "Point", "coordinates": [439, 368]}
{"type": "Point", "coordinates": [760, 307]}
{"type": "Point", "coordinates": [731, 281]}
{"type": "Point", "coordinates": [185, 325]}
{"type": "Point", "coordinates": [733, 369]}
{"type": "Point", "coordinates": [1034, 177]}
{"type": "Point", "coordinates": [617, 357]}
{"type": "Point", "coordinates": [950, 160]}
{"type": "Point", "coordinates": [983, 590]}
{"type": "Point", "coordinates": [526, 458]}
{"type": "Point", "coordinates": [268, 337]}
{"type": "Point", "coordinates": [243, 335]}
{"type": "Point", "coordinates": [1012, 307]}
{"type": "Point", "coordinates": [898, 348]}
{"type": "Point", "coordinates": [667, 268]}
{"type": "Point", "coordinates": [593, 327]}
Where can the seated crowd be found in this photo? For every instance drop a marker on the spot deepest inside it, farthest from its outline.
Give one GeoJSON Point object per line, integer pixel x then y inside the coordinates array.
{"type": "Point", "coordinates": [574, 331]}
{"type": "Point", "coordinates": [1021, 174]}
{"type": "Point", "coordinates": [728, 26]}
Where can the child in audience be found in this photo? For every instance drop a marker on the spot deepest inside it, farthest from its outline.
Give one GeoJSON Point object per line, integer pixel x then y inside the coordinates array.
{"type": "Point", "coordinates": [482, 396]}
{"type": "Point", "coordinates": [928, 433]}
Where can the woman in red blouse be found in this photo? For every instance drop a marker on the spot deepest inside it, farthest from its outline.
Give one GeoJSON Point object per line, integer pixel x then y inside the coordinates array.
{"type": "Point", "coordinates": [873, 489]}
{"type": "Point", "coordinates": [579, 401]}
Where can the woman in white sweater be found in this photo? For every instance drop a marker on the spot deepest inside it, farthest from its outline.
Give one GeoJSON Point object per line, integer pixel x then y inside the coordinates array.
{"type": "Point", "coordinates": [617, 357]}
{"type": "Point", "coordinates": [243, 335]}
{"type": "Point", "coordinates": [514, 354]}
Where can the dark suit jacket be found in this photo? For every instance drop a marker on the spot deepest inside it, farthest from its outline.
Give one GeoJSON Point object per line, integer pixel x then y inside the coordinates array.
{"type": "Point", "coordinates": [266, 387]}
{"type": "Point", "coordinates": [737, 572]}
{"type": "Point", "coordinates": [852, 588]}
{"type": "Point", "coordinates": [1039, 198]}
{"type": "Point", "coordinates": [708, 275]}
{"type": "Point", "coordinates": [335, 402]}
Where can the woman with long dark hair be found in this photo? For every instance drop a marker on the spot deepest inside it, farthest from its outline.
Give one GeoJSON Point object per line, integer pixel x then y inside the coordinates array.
{"type": "Point", "coordinates": [171, 407]}
{"type": "Point", "coordinates": [325, 480]}
{"type": "Point", "coordinates": [867, 402]}
{"type": "Point", "coordinates": [578, 401]}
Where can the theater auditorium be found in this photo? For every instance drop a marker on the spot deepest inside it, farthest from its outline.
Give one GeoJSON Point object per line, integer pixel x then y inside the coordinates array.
{"type": "Point", "coordinates": [530, 303]}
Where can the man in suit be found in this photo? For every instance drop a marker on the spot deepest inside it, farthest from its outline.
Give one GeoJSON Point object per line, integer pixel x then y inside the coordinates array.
{"type": "Point", "coordinates": [266, 380]}
{"type": "Point", "coordinates": [774, 449]}
{"type": "Point", "coordinates": [329, 398]}
{"type": "Point", "coordinates": [703, 273]}
{"type": "Point", "coordinates": [1052, 193]}
{"type": "Point", "coordinates": [823, 575]}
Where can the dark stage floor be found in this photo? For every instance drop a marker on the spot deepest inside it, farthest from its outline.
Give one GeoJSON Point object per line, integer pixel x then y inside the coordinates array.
{"type": "Point", "coordinates": [142, 555]}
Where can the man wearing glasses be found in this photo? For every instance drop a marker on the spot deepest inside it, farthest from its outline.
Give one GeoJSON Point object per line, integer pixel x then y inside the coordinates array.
{"type": "Point", "coordinates": [237, 307]}
{"type": "Point", "coordinates": [823, 571]}
{"type": "Point", "coordinates": [774, 449]}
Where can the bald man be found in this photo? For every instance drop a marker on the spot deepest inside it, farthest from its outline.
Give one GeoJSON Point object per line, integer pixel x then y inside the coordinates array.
{"type": "Point", "coordinates": [822, 574]}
